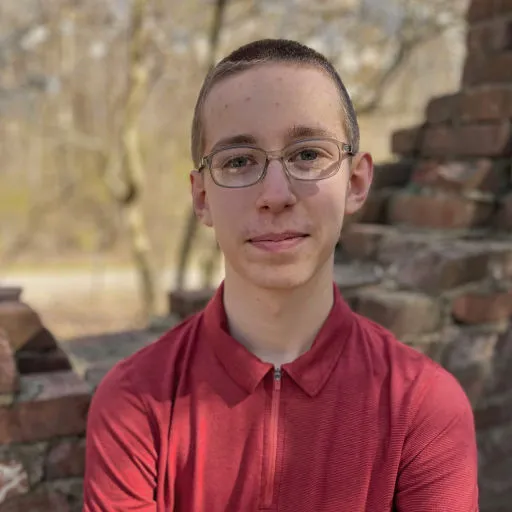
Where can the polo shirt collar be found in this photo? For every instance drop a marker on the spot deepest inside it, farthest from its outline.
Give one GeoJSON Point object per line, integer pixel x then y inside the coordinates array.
{"type": "Point", "coordinates": [310, 371]}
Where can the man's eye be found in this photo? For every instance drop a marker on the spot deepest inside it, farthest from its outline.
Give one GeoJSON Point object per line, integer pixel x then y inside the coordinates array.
{"type": "Point", "coordinates": [237, 163]}
{"type": "Point", "coordinates": [308, 154]}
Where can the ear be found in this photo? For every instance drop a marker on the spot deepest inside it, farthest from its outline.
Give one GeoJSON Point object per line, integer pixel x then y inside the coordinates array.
{"type": "Point", "coordinates": [360, 180]}
{"type": "Point", "coordinates": [200, 198]}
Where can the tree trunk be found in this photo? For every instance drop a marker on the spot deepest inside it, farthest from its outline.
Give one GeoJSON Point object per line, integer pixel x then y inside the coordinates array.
{"type": "Point", "coordinates": [192, 225]}
{"type": "Point", "coordinates": [132, 167]}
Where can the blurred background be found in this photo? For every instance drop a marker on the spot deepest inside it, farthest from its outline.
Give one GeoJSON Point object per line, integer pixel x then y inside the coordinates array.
{"type": "Point", "coordinates": [96, 102]}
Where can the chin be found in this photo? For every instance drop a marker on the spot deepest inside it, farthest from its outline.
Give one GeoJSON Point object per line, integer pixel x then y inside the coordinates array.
{"type": "Point", "coordinates": [286, 277]}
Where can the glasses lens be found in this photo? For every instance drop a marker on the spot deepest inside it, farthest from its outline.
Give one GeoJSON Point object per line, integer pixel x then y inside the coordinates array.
{"type": "Point", "coordinates": [237, 167]}
{"type": "Point", "coordinates": [312, 159]}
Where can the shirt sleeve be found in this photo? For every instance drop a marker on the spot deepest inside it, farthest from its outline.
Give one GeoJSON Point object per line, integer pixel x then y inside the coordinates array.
{"type": "Point", "coordinates": [120, 460]}
{"type": "Point", "coordinates": [438, 470]}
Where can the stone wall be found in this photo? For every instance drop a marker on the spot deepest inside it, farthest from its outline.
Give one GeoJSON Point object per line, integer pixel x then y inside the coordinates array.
{"type": "Point", "coordinates": [43, 411]}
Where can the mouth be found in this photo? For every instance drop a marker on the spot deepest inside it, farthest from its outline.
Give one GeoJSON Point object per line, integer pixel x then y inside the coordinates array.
{"type": "Point", "coordinates": [278, 242]}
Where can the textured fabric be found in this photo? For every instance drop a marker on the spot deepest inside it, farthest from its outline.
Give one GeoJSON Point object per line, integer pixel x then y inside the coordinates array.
{"type": "Point", "coordinates": [196, 423]}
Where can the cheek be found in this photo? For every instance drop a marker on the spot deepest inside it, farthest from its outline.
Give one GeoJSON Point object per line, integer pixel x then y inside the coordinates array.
{"type": "Point", "coordinates": [227, 208]}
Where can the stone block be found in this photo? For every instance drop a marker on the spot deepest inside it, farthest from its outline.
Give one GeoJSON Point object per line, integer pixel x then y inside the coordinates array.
{"type": "Point", "coordinates": [71, 489]}
{"type": "Point", "coordinates": [31, 456]}
{"type": "Point", "coordinates": [486, 104]}
{"type": "Point", "coordinates": [20, 322]}
{"type": "Point", "coordinates": [468, 355]}
{"type": "Point", "coordinates": [354, 276]}
{"type": "Point", "coordinates": [482, 175]}
{"type": "Point", "coordinates": [65, 459]}
{"type": "Point", "coordinates": [504, 215]}
{"type": "Point", "coordinates": [392, 174]}
{"type": "Point", "coordinates": [49, 405]}
{"type": "Point", "coordinates": [403, 313]}
{"type": "Point", "coordinates": [188, 302]}
{"type": "Point", "coordinates": [439, 210]}
{"type": "Point", "coordinates": [37, 362]}
{"type": "Point", "coordinates": [13, 479]}
{"type": "Point", "coordinates": [483, 307]}
{"type": "Point", "coordinates": [443, 109]}
{"type": "Point", "coordinates": [374, 210]}
{"type": "Point", "coordinates": [481, 10]}
{"type": "Point", "coordinates": [361, 241]}
{"type": "Point", "coordinates": [443, 266]}
{"type": "Point", "coordinates": [37, 501]}
{"type": "Point", "coordinates": [407, 142]}
{"type": "Point", "coordinates": [494, 70]}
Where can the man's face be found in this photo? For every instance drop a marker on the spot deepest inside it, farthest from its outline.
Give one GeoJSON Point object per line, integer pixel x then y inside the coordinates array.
{"type": "Point", "coordinates": [280, 232]}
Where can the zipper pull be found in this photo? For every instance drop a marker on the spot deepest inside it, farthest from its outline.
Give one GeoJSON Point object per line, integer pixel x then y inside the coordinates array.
{"type": "Point", "coordinates": [277, 378]}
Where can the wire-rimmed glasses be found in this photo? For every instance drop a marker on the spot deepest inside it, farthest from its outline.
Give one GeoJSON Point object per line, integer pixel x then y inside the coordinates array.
{"type": "Point", "coordinates": [241, 166]}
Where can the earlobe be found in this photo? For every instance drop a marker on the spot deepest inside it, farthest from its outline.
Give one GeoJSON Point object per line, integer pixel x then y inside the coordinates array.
{"type": "Point", "coordinates": [360, 180]}
{"type": "Point", "coordinates": [200, 199]}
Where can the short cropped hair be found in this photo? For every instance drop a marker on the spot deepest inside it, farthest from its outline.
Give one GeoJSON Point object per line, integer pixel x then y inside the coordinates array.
{"type": "Point", "coordinates": [270, 51]}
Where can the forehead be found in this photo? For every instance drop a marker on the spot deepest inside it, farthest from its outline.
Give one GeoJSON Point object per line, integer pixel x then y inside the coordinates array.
{"type": "Point", "coordinates": [268, 101]}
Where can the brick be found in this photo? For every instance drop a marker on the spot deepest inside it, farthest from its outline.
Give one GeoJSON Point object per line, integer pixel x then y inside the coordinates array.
{"type": "Point", "coordinates": [361, 241]}
{"type": "Point", "coordinates": [19, 321]}
{"type": "Point", "coordinates": [8, 372]}
{"type": "Point", "coordinates": [443, 266]}
{"type": "Point", "coordinates": [486, 104]}
{"type": "Point", "coordinates": [403, 313]}
{"type": "Point", "coordinates": [483, 175]}
{"type": "Point", "coordinates": [13, 479]}
{"type": "Point", "coordinates": [468, 356]}
{"type": "Point", "coordinates": [504, 215]}
{"type": "Point", "coordinates": [484, 40]}
{"type": "Point", "coordinates": [37, 501]}
{"type": "Point", "coordinates": [43, 341]}
{"type": "Point", "coordinates": [49, 405]}
{"type": "Point", "coordinates": [474, 140]}
{"type": "Point", "coordinates": [497, 69]}
{"type": "Point", "coordinates": [66, 459]}
{"type": "Point", "coordinates": [374, 211]}
{"type": "Point", "coordinates": [439, 211]}
{"type": "Point", "coordinates": [481, 307]}
{"type": "Point", "coordinates": [503, 6]}
{"type": "Point", "coordinates": [72, 489]}
{"type": "Point", "coordinates": [37, 362]}
{"type": "Point", "coordinates": [10, 293]}
{"type": "Point", "coordinates": [443, 108]}
{"type": "Point", "coordinates": [407, 142]}
{"type": "Point", "coordinates": [392, 174]}
{"type": "Point", "coordinates": [187, 302]}
{"type": "Point", "coordinates": [480, 10]}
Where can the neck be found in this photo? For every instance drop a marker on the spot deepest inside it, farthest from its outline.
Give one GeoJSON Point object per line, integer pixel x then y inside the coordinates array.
{"type": "Point", "coordinates": [277, 325]}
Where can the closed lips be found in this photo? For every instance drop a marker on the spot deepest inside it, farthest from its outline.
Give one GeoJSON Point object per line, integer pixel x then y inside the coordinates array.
{"type": "Point", "coordinates": [277, 237]}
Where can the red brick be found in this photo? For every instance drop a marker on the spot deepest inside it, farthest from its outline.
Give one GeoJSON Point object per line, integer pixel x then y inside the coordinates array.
{"type": "Point", "coordinates": [407, 142]}
{"type": "Point", "coordinates": [403, 313]}
{"type": "Point", "coordinates": [66, 459]}
{"type": "Point", "coordinates": [392, 174]}
{"type": "Point", "coordinates": [37, 501]}
{"type": "Point", "coordinates": [8, 373]}
{"type": "Point", "coordinates": [20, 322]}
{"type": "Point", "coordinates": [474, 140]}
{"type": "Point", "coordinates": [460, 176]}
{"type": "Point", "coordinates": [439, 211]}
{"type": "Point", "coordinates": [10, 293]}
{"type": "Point", "coordinates": [486, 104]}
{"type": "Point", "coordinates": [481, 308]}
{"type": "Point", "coordinates": [187, 302]}
{"type": "Point", "coordinates": [43, 341]}
{"type": "Point", "coordinates": [503, 6]}
{"type": "Point", "coordinates": [49, 405]}
{"type": "Point", "coordinates": [361, 241]}
{"type": "Point", "coordinates": [480, 10]}
{"type": "Point", "coordinates": [485, 40]}
{"type": "Point", "coordinates": [37, 362]}
{"type": "Point", "coordinates": [443, 108]}
{"type": "Point", "coordinates": [374, 211]}
{"type": "Point", "coordinates": [497, 69]}
{"type": "Point", "coordinates": [444, 266]}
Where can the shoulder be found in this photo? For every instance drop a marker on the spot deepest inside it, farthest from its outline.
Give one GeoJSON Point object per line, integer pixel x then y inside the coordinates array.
{"type": "Point", "coordinates": [152, 371]}
{"type": "Point", "coordinates": [411, 375]}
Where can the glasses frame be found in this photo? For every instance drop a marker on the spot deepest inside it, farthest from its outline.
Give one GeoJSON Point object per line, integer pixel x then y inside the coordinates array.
{"type": "Point", "coordinates": [345, 150]}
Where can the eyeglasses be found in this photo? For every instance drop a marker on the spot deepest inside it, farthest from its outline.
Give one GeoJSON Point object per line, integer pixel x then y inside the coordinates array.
{"type": "Point", "coordinates": [241, 166]}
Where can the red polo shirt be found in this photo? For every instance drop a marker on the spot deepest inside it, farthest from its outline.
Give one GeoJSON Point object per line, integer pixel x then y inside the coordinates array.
{"type": "Point", "coordinates": [196, 423]}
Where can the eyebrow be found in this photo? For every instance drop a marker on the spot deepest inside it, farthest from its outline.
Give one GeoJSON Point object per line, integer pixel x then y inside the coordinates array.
{"type": "Point", "coordinates": [294, 133]}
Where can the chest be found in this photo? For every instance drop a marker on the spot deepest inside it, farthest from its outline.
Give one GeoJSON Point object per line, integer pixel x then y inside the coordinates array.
{"type": "Point", "coordinates": [282, 450]}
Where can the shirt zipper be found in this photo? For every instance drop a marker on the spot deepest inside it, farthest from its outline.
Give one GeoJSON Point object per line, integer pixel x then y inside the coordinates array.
{"type": "Point", "coordinates": [272, 441]}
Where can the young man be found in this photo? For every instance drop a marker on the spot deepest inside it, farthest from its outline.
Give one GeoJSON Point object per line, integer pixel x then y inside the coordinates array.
{"type": "Point", "coordinates": [277, 396]}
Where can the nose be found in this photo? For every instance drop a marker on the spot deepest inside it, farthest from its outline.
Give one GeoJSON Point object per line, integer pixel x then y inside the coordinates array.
{"type": "Point", "coordinates": [276, 191]}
